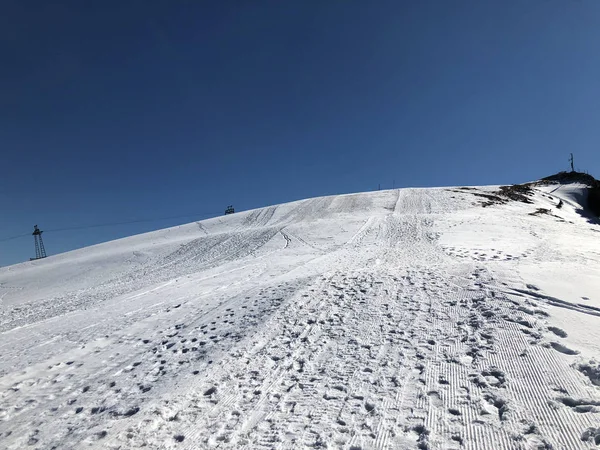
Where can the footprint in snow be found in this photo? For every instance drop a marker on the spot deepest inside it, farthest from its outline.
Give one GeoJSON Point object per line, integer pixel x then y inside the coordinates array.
{"type": "Point", "coordinates": [591, 435]}
{"type": "Point", "coordinates": [434, 398]}
{"type": "Point", "coordinates": [563, 349]}
{"type": "Point", "coordinates": [558, 331]}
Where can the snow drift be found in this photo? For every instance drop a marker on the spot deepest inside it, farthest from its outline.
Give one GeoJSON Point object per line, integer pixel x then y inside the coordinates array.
{"type": "Point", "coordinates": [412, 318]}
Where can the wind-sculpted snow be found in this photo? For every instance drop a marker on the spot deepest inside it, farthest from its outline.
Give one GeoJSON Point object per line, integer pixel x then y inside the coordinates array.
{"type": "Point", "coordinates": [404, 319]}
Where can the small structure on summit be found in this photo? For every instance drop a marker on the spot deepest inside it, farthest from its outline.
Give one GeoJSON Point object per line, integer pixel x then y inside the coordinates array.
{"type": "Point", "coordinates": [40, 251]}
{"type": "Point", "coordinates": [229, 210]}
{"type": "Point", "coordinates": [571, 160]}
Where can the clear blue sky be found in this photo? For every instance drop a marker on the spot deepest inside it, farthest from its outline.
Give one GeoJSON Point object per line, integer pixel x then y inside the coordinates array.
{"type": "Point", "coordinates": [116, 111]}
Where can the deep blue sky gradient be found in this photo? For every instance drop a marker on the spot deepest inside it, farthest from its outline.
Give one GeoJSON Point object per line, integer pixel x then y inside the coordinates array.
{"type": "Point", "coordinates": [117, 111]}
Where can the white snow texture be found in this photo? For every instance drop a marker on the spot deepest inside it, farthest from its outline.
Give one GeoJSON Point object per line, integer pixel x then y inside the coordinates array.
{"type": "Point", "coordinates": [399, 319]}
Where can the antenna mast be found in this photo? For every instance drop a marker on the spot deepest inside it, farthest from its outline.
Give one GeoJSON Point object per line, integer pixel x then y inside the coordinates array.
{"type": "Point", "coordinates": [572, 164]}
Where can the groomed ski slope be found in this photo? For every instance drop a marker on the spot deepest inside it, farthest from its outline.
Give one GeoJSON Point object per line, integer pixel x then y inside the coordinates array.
{"type": "Point", "coordinates": [400, 319]}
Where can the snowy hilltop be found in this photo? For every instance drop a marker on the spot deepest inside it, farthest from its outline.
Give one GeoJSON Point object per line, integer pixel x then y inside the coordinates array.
{"type": "Point", "coordinates": [443, 318]}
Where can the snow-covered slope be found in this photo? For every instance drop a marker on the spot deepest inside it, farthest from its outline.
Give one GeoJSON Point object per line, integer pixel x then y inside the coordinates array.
{"type": "Point", "coordinates": [411, 318]}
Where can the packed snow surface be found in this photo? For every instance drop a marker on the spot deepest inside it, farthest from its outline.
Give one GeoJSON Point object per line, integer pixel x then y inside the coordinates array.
{"type": "Point", "coordinates": [400, 319]}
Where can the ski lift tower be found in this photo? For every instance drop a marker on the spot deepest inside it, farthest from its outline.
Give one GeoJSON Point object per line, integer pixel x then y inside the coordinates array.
{"type": "Point", "coordinates": [40, 251]}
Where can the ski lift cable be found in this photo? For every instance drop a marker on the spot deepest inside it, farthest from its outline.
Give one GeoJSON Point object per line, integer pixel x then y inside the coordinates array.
{"type": "Point", "coordinates": [85, 227]}
{"type": "Point", "coordinates": [15, 237]}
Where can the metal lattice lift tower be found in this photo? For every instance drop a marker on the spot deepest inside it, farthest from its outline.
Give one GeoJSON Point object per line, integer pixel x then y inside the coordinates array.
{"type": "Point", "coordinates": [40, 251]}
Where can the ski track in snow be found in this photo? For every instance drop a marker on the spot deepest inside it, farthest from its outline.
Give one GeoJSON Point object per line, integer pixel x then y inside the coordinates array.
{"type": "Point", "coordinates": [404, 319]}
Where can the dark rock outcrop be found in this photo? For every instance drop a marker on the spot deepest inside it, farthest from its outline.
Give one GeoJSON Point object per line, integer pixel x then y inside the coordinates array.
{"type": "Point", "coordinates": [593, 198]}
